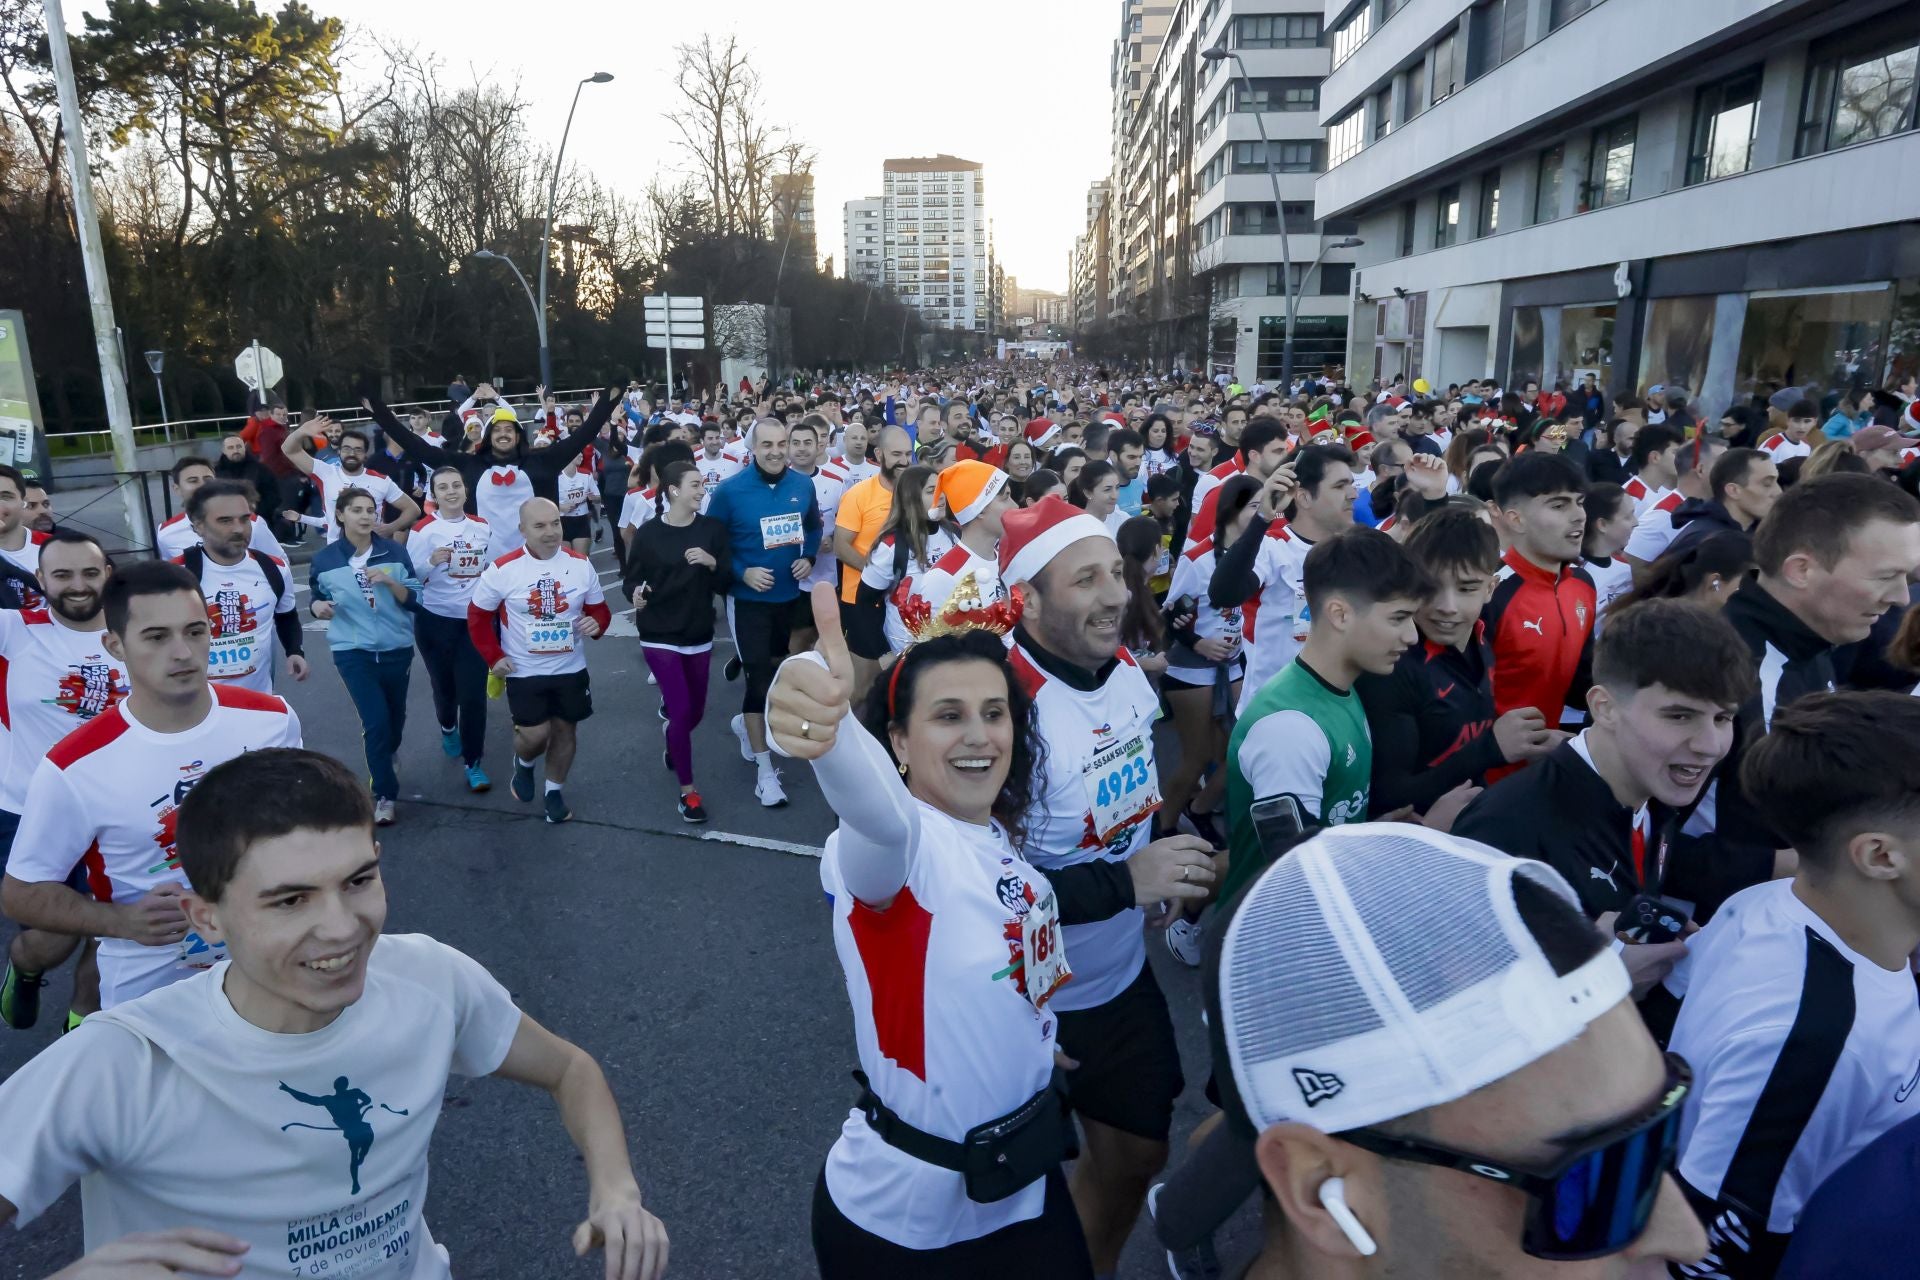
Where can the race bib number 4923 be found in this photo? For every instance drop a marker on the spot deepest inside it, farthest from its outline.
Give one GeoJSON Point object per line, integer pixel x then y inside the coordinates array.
{"type": "Point", "coordinates": [1122, 786]}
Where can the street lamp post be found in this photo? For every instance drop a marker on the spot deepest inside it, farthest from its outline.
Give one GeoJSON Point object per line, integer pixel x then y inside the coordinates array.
{"type": "Point", "coordinates": [1290, 296]}
{"type": "Point", "coordinates": [539, 312]}
{"type": "Point", "coordinates": [546, 236]}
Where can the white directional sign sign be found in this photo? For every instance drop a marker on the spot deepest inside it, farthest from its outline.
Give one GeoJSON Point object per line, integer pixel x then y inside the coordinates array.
{"type": "Point", "coordinates": [681, 342]}
{"type": "Point", "coordinates": [250, 372]}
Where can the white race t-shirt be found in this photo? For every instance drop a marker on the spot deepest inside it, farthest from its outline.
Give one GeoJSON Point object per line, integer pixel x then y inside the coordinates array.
{"type": "Point", "coordinates": [1654, 531]}
{"type": "Point", "coordinates": [1192, 574]}
{"type": "Point", "coordinates": [313, 1148]}
{"type": "Point", "coordinates": [1275, 621]}
{"type": "Point", "coordinates": [445, 589]}
{"type": "Point", "coordinates": [241, 605]}
{"type": "Point", "coordinates": [1094, 798]}
{"type": "Point", "coordinates": [28, 556]}
{"type": "Point", "coordinates": [852, 473]}
{"type": "Point", "coordinates": [107, 797]}
{"type": "Point", "coordinates": [637, 508]}
{"type": "Point", "coordinates": [53, 679]}
{"type": "Point", "coordinates": [947, 1034]}
{"type": "Point", "coordinates": [1610, 581]}
{"type": "Point", "coordinates": [713, 471]}
{"type": "Point", "coordinates": [829, 482]}
{"type": "Point", "coordinates": [540, 604]}
{"type": "Point", "coordinates": [879, 573]}
{"type": "Point", "coordinates": [330, 478]}
{"type": "Point", "coordinates": [1778, 447]}
{"type": "Point", "coordinates": [576, 492]}
{"type": "Point", "coordinates": [1645, 496]}
{"type": "Point", "coordinates": [174, 536]}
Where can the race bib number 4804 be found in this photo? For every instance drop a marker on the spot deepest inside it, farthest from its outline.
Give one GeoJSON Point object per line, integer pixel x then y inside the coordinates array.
{"type": "Point", "coordinates": [781, 531]}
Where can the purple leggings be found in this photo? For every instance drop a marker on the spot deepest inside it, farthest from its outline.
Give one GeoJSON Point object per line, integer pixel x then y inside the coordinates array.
{"type": "Point", "coordinates": [683, 692]}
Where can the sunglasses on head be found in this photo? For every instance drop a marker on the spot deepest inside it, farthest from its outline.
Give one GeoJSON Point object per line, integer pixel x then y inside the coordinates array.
{"type": "Point", "coordinates": [1594, 1201]}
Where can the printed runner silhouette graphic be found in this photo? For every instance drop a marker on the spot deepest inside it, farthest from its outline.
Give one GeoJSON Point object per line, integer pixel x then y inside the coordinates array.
{"type": "Point", "coordinates": [348, 1107]}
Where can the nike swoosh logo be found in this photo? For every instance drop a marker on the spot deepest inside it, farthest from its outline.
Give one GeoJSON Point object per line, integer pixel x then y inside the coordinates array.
{"type": "Point", "coordinates": [1444, 692]}
{"type": "Point", "coordinates": [1905, 1091]}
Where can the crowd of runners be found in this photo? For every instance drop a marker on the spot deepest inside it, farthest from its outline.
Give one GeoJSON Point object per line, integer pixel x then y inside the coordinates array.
{"type": "Point", "coordinates": [1533, 775]}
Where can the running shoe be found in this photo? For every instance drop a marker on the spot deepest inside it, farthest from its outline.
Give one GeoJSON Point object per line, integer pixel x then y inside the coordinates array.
{"type": "Point", "coordinates": [450, 743]}
{"type": "Point", "coordinates": [1184, 939]}
{"type": "Point", "coordinates": [477, 779]}
{"type": "Point", "coordinates": [557, 810]}
{"type": "Point", "coordinates": [1204, 826]}
{"type": "Point", "coordinates": [20, 997]}
{"type": "Point", "coordinates": [652, 678]}
{"type": "Point", "coordinates": [769, 791]}
{"type": "Point", "coordinates": [383, 813]}
{"type": "Point", "coordinates": [691, 810]}
{"type": "Point", "coordinates": [663, 717]}
{"type": "Point", "coordinates": [739, 726]}
{"type": "Point", "coordinates": [1197, 1263]}
{"type": "Point", "coordinates": [522, 783]}
{"type": "Point", "coordinates": [733, 668]}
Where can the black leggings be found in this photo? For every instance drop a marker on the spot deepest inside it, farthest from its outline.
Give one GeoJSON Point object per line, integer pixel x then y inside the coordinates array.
{"type": "Point", "coordinates": [760, 633]}
{"type": "Point", "coordinates": [458, 675]}
{"type": "Point", "coordinates": [1050, 1245]}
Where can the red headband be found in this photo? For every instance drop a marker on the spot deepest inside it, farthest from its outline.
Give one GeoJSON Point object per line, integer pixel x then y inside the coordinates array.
{"type": "Point", "coordinates": [893, 685]}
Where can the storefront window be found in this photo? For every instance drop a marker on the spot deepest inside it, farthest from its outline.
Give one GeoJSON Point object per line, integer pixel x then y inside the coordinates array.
{"type": "Point", "coordinates": [1528, 348]}
{"type": "Point", "coordinates": [1586, 344]}
{"type": "Point", "coordinates": [1837, 339]}
{"type": "Point", "coordinates": [1679, 334]}
{"type": "Point", "coordinates": [1318, 342]}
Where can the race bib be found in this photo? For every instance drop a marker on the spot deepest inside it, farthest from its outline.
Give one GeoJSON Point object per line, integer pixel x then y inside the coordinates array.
{"type": "Point", "coordinates": [1122, 787]}
{"type": "Point", "coordinates": [1045, 950]}
{"type": "Point", "coordinates": [550, 637]}
{"type": "Point", "coordinates": [781, 531]}
{"type": "Point", "coordinates": [466, 561]}
{"type": "Point", "coordinates": [230, 657]}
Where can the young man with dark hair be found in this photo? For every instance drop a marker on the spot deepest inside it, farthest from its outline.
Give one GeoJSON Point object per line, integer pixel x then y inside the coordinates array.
{"type": "Point", "coordinates": [1431, 718]}
{"type": "Point", "coordinates": [319, 1032]}
{"type": "Point", "coordinates": [1654, 462]}
{"type": "Point", "coordinates": [1263, 570]}
{"type": "Point", "coordinates": [19, 545]}
{"type": "Point", "coordinates": [106, 798]}
{"type": "Point", "coordinates": [1833, 555]}
{"type": "Point", "coordinates": [1803, 419]}
{"type": "Point", "coordinates": [1264, 449]}
{"type": "Point", "coordinates": [1127, 449]}
{"type": "Point", "coordinates": [1304, 734]}
{"type": "Point", "coordinates": [1798, 1011]}
{"type": "Point", "coordinates": [350, 472]}
{"type": "Point", "coordinates": [1659, 521]}
{"type": "Point", "coordinates": [1540, 619]}
{"type": "Point", "coordinates": [1601, 807]}
{"type": "Point", "coordinates": [1742, 488]}
{"type": "Point", "coordinates": [250, 594]}
{"type": "Point", "coordinates": [175, 534]}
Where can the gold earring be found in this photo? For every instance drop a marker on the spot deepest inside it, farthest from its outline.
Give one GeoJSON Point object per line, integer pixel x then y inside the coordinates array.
{"type": "Point", "coordinates": [903, 770]}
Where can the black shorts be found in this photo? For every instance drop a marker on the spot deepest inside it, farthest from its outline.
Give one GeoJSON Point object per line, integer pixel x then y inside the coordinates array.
{"type": "Point", "coordinates": [533, 700]}
{"type": "Point", "coordinates": [572, 527]}
{"type": "Point", "coordinates": [1129, 1072]}
{"type": "Point", "coordinates": [866, 623]}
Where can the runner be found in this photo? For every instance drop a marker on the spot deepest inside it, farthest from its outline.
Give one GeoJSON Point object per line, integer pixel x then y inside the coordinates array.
{"type": "Point", "coordinates": [713, 461]}
{"type": "Point", "coordinates": [579, 497]}
{"type": "Point", "coordinates": [289, 1053]}
{"type": "Point", "coordinates": [912, 541]}
{"type": "Point", "coordinates": [806, 441]}
{"type": "Point", "coordinates": [106, 798]}
{"type": "Point", "coordinates": [929, 830]}
{"type": "Point", "coordinates": [249, 592]}
{"type": "Point", "coordinates": [530, 611]}
{"type": "Point", "coordinates": [55, 674]}
{"type": "Point", "coordinates": [977, 497]}
{"type": "Point", "coordinates": [1090, 831]}
{"type": "Point", "coordinates": [1803, 419]}
{"type": "Point", "coordinates": [678, 562]}
{"type": "Point", "coordinates": [175, 534]}
{"type": "Point", "coordinates": [449, 549]}
{"type": "Point", "coordinates": [19, 545]}
{"type": "Point", "coordinates": [365, 588]}
{"type": "Point", "coordinates": [330, 478]}
{"type": "Point", "coordinates": [773, 531]}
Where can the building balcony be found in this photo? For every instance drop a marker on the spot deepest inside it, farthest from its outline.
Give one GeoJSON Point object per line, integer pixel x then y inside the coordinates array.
{"type": "Point", "coordinates": [1230, 251]}
{"type": "Point", "coordinates": [1252, 188]}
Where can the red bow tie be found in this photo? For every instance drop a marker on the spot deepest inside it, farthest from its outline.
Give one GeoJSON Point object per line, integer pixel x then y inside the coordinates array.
{"type": "Point", "coordinates": [504, 477]}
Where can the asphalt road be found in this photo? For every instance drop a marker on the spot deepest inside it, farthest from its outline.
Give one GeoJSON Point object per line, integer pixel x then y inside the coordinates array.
{"type": "Point", "coordinates": [696, 964]}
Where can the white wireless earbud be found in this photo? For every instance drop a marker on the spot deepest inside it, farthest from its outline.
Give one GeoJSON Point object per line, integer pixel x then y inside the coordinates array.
{"type": "Point", "coordinates": [1333, 1198]}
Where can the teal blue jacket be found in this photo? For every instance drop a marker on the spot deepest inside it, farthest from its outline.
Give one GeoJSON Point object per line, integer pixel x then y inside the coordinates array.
{"type": "Point", "coordinates": [386, 623]}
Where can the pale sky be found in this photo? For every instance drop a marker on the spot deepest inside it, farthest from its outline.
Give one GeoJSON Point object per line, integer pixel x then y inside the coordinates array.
{"type": "Point", "coordinates": [1018, 85]}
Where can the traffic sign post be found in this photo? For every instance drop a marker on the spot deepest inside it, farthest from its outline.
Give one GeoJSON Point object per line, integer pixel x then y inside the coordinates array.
{"type": "Point", "coordinates": [675, 322]}
{"type": "Point", "coordinates": [156, 361]}
{"type": "Point", "coordinates": [259, 369]}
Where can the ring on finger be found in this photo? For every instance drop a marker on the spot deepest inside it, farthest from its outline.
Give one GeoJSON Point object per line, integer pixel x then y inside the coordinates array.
{"type": "Point", "coordinates": [805, 725]}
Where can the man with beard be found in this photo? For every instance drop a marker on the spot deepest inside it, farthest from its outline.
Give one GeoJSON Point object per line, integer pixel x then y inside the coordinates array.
{"type": "Point", "coordinates": [37, 509]}
{"type": "Point", "coordinates": [348, 473]}
{"type": "Point", "coordinates": [236, 463]}
{"type": "Point", "coordinates": [244, 587]}
{"type": "Point", "coordinates": [55, 674]}
{"type": "Point", "coordinates": [862, 514]}
{"type": "Point", "coordinates": [175, 534]}
{"type": "Point", "coordinates": [503, 471]}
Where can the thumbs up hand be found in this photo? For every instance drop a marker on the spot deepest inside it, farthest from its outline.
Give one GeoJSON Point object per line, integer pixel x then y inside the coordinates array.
{"type": "Point", "coordinates": [810, 697]}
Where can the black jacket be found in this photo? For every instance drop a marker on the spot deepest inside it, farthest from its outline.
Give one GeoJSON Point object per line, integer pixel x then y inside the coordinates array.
{"type": "Point", "coordinates": [1604, 466]}
{"type": "Point", "coordinates": [543, 466]}
{"type": "Point", "coordinates": [1790, 661]}
{"type": "Point", "coordinates": [679, 595]}
{"type": "Point", "coordinates": [1695, 518]}
{"type": "Point", "coordinates": [250, 470]}
{"type": "Point", "coordinates": [1559, 811]}
{"type": "Point", "coordinates": [1431, 720]}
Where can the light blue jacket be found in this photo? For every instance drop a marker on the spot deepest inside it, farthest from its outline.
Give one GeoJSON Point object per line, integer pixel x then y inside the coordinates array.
{"type": "Point", "coordinates": [382, 625]}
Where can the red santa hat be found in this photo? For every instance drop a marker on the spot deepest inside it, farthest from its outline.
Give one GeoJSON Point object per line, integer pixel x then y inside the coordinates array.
{"type": "Point", "coordinates": [1910, 420]}
{"type": "Point", "coordinates": [1035, 535]}
{"type": "Point", "coordinates": [967, 487]}
{"type": "Point", "coordinates": [1040, 431]}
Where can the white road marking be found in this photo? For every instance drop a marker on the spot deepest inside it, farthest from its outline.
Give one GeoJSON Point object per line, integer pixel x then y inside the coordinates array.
{"type": "Point", "coordinates": [761, 842]}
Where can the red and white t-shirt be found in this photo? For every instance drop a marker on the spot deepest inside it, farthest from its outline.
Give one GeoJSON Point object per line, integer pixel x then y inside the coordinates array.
{"type": "Point", "coordinates": [1201, 525]}
{"type": "Point", "coordinates": [28, 558]}
{"type": "Point", "coordinates": [1654, 531]}
{"type": "Point", "coordinates": [445, 589]}
{"type": "Point", "coordinates": [1645, 496]}
{"type": "Point", "coordinates": [713, 471]}
{"type": "Point", "coordinates": [241, 605]}
{"type": "Point", "coordinates": [829, 482]}
{"type": "Point", "coordinates": [175, 535]}
{"type": "Point", "coordinates": [576, 492]}
{"type": "Point", "coordinates": [852, 473]}
{"type": "Point", "coordinates": [53, 679]}
{"type": "Point", "coordinates": [1778, 447]}
{"type": "Point", "coordinates": [107, 797]}
{"type": "Point", "coordinates": [530, 610]}
{"type": "Point", "coordinates": [1275, 621]}
{"type": "Point", "coordinates": [1192, 574]}
{"type": "Point", "coordinates": [1093, 798]}
{"type": "Point", "coordinates": [498, 494]}
{"type": "Point", "coordinates": [330, 478]}
{"type": "Point", "coordinates": [638, 508]}
{"type": "Point", "coordinates": [888, 563]}
{"type": "Point", "coordinates": [973, 579]}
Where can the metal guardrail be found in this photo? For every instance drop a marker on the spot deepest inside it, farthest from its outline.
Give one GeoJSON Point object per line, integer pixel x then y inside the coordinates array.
{"type": "Point", "coordinates": [98, 443]}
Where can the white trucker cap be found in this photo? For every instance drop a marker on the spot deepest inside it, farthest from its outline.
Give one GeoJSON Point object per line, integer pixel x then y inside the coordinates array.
{"type": "Point", "coordinates": [1381, 968]}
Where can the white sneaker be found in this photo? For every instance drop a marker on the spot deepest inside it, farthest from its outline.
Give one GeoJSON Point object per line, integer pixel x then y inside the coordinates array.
{"type": "Point", "coordinates": [383, 813]}
{"type": "Point", "coordinates": [739, 726]}
{"type": "Point", "coordinates": [1184, 938]}
{"type": "Point", "coordinates": [652, 678]}
{"type": "Point", "coordinates": [770, 793]}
